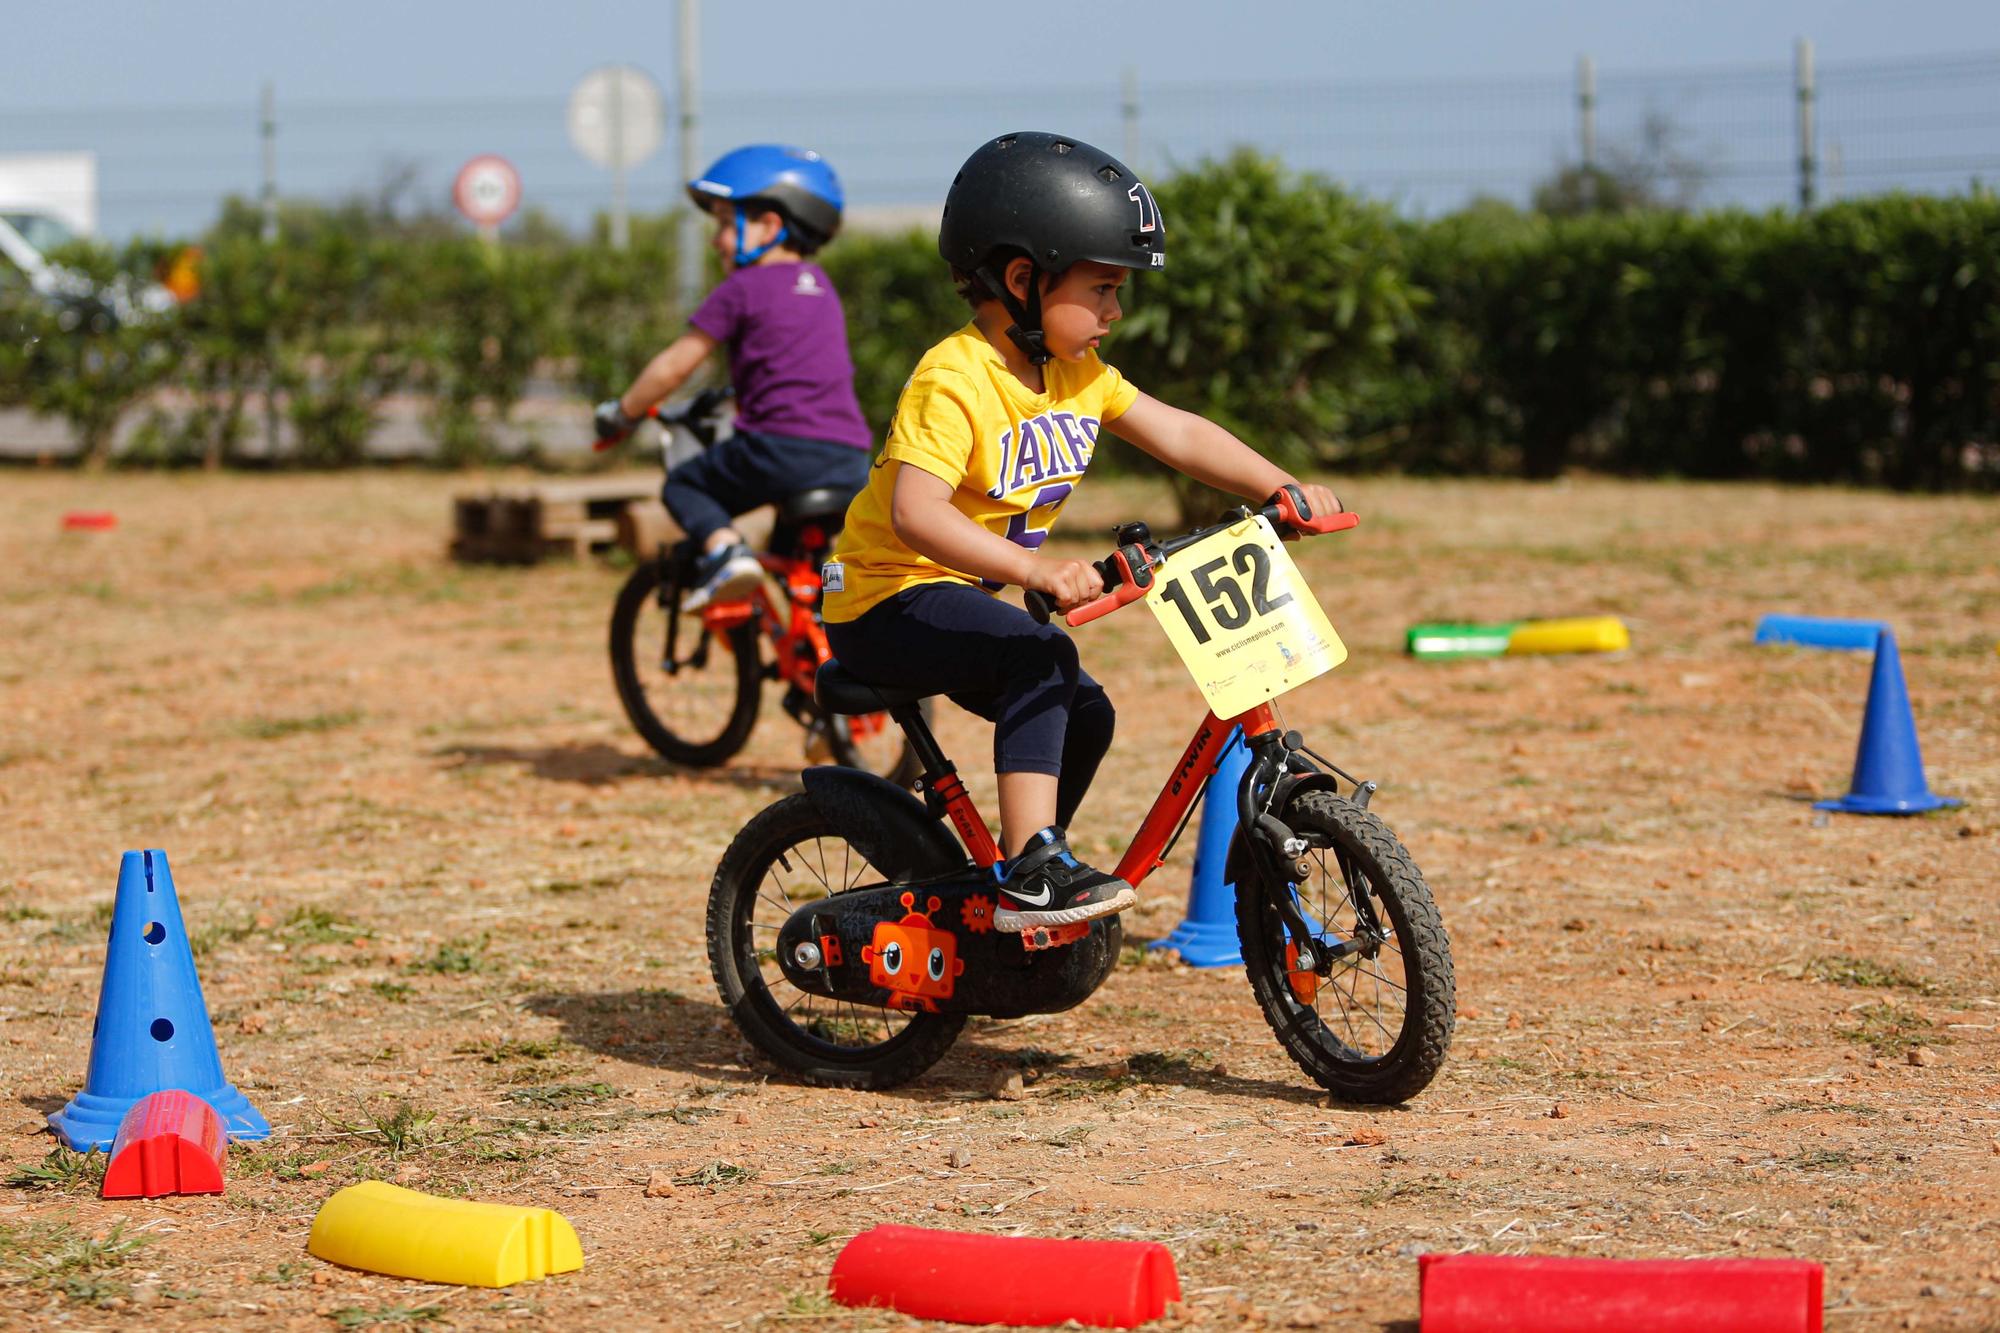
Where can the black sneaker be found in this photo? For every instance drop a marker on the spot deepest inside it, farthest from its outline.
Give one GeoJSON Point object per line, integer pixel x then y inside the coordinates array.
{"type": "Point", "coordinates": [723, 575]}
{"type": "Point", "coordinates": [1046, 886]}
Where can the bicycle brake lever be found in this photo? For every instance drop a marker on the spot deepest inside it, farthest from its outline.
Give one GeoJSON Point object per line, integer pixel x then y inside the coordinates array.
{"type": "Point", "coordinates": [1133, 567]}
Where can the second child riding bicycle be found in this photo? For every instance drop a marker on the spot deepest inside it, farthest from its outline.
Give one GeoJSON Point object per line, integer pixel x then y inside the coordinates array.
{"type": "Point", "coordinates": [798, 424]}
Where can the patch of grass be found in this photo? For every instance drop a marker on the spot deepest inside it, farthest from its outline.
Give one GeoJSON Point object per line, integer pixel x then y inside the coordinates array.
{"type": "Point", "coordinates": [79, 929]}
{"type": "Point", "coordinates": [62, 1169]}
{"type": "Point", "coordinates": [562, 1096]}
{"type": "Point", "coordinates": [279, 1163]}
{"type": "Point", "coordinates": [56, 1256]}
{"type": "Point", "coordinates": [819, 1237]}
{"type": "Point", "coordinates": [277, 728]}
{"type": "Point", "coordinates": [560, 887]}
{"type": "Point", "coordinates": [401, 1128]}
{"type": "Point", "coordinates": [221, 932]}
{"type": "Point", "coordinates": [1819, 1159]}
{"type": "Point", "coordinates": [1071, 1136]}
{"type": "Point", "coordinates": [388, 1316]}
{"type": "Point", "coordinates": [812, 1303]}
{"type": "Point", "coordinates": [395, 992]}
{"type": "Point", "coordinates": [1384, 1191]}
{"type": "Point", "coordinates": [10, 915]}
{"type": "Point", "coordinates": [504, 1052]}
{"type": "Point", "coordinates": [284, 1275]}
{"type": "Point", "coordinates": [718, 1174]}
{"type": "Point", "coordinates": [1891, 1030]}
{"type": "Point", "coordinates": [456, 957]}
{"type": "Point", "coordinates": [1845, 1108]}
{"type": "Point", "coordinates": [1865, 973]}
{"type": "Point", "coordinates": [316, 925]}
{"type": "Point", "coordinates": [1169, 1066]}
{"type": "Point", "coordinates": [844, 1167]}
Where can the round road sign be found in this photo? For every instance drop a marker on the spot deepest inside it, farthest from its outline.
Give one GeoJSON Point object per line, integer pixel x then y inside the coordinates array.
{"type": "Point", "coordinates": [487, 190]}
{"type": "Point", "coordinates": [616, 116]}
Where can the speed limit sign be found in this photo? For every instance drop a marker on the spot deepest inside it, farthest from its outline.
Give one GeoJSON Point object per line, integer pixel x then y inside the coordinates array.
{"type": "Point", "coordinates": [487, 190]}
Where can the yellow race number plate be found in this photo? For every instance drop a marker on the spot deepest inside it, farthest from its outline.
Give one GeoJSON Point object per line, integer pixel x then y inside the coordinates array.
{"type": "Point", "coordinates": [1241, 617]}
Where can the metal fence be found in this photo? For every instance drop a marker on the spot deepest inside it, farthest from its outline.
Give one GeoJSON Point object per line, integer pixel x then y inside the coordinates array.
{"type": "Point", "coordinates": [1712, 136]}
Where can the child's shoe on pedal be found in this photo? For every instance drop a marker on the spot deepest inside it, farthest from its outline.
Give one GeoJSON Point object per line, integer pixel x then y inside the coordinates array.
{"type": "Point", "coordinates": [1047, 886]}
{"type": "Point", "coordinates": [722, 575]}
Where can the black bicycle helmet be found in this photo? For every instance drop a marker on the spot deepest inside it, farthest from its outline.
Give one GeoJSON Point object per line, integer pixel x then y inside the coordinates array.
{"type": "Point", "coordinates": [1059, 201]}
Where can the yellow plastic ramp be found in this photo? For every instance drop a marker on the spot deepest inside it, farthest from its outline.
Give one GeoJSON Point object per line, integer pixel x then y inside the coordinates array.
{"type": "Point", "coordinates": [386, 1229]}
{"type": "Point", "coordinates": [1579, 634]}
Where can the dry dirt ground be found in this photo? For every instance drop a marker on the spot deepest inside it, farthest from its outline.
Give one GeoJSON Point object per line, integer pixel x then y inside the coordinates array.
{"type": "Point", "coordinates": [448, 913]}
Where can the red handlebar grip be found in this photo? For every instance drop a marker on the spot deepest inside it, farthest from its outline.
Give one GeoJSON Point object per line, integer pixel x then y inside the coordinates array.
{"type": "Point", "coordinates": [1346, 518]}
{"type": "Point", "coordinates": [1127, 594]}
{"type": "Point", "coordinates": [1288, 501]}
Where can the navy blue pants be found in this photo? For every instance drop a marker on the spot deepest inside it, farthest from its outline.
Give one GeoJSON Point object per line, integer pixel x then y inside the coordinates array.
{"type": "Point", "coordinates": [993, 660]}
{"type": "Point", "coordinates": [750, 469]}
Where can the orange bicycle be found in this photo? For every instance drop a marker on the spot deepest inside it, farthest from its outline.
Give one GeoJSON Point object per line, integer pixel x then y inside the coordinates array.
{"type": "Point", "coordinates": [691, 681]}
{"type": "Point", "coordinates": [851, 935]}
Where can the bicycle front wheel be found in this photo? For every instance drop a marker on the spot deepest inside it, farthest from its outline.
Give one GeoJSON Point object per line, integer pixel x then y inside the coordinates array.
{"type": "Point", "coordinates": [696, 704]}
{"type": "Point", "coordinates": [1376, 1030]}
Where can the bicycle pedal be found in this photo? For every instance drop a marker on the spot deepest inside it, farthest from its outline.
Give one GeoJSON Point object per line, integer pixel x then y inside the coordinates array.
{"type": "Point", "coordinates": [1053, 937]}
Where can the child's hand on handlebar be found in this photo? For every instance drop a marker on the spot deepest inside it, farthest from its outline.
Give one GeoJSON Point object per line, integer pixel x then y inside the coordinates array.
{"type": "Point", "coordinates": [612, 422]}
{"type": "Point", "coordinates": [1070, 583]}
{"type": "Point", "coordinates": [1321, 499]}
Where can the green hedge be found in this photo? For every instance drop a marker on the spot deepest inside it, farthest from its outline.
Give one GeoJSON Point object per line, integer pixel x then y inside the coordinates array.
{"type": "Point", "coordinates": [1860, 343]}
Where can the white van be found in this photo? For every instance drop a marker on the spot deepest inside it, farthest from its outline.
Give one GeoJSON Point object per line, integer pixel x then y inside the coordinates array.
{"type": "Point", "coordinates": [27, 238]}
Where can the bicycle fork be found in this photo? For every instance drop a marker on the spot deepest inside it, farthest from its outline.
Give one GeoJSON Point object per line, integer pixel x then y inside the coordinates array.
{"type": "Point", "coordinates": [1282, 854]}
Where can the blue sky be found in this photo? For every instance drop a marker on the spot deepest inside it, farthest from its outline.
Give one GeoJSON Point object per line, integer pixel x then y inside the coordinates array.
{"type": "Point", "coordinates": [123, 53]}
{"type": "Point", "coordinates": [1424, 103]}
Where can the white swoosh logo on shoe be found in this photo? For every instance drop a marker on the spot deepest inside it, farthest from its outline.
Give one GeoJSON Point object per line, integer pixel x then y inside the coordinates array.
{"type": "Point", "coordinates": [1041, 899]}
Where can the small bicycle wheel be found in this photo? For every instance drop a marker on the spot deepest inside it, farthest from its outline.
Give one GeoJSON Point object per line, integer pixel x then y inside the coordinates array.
{"type": "Point", "coordinates": [1376, 1030]}
{"type": "Point", "coordinates": [697, 705]}
{"type": "Point", "coordinates": [791, 854]}
{"type": "Point", "coordinates": [874, 743]}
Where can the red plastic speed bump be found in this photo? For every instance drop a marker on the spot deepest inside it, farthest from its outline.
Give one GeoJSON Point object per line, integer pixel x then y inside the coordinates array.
{"type": "Point", "coordinates": [89, 520]}
{"type": "Point", "coordinates": [171, 1142]}
{"type": "Point", "coordinates": [1022, 1280]}
{"type": "Point", "coordinates": [1493, 1293]}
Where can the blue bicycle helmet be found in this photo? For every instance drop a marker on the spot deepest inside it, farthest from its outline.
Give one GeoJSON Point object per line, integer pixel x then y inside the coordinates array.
{"type": "Point", "coordinates": [794, 182]}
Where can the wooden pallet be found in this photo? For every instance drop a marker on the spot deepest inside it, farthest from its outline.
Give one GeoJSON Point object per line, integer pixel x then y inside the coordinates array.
{"type": "Point", "coordinates": [555, 518]}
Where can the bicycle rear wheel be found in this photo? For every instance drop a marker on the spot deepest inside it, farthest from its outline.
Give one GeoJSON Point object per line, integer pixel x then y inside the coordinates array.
{"type": "Point", "coordinates": [788, 855]}
{"type": "Point", "coordinates": [697, 705]}
{"type": "Point", "coordinates": [1376, 1030]}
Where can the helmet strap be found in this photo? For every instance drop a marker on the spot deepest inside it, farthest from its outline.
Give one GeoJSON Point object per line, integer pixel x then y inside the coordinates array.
{"type": "Point", "coordinates": [744, 258]}
{"type": "Point", "coordinates": [1026, 330]}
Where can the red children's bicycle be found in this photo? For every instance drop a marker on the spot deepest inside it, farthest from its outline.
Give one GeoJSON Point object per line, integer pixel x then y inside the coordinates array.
{"type": "Point", "coordinates": [851, 934]}
{"type": "Point", "coordinates": [692, 681]}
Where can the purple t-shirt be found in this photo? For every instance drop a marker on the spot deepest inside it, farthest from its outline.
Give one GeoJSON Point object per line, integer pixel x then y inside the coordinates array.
{"type": "Point", "coordinates": [787, 341]}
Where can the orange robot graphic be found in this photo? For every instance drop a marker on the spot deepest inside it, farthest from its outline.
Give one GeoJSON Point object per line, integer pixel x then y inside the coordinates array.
{"type": "Point", "coordinates": [912, 959]}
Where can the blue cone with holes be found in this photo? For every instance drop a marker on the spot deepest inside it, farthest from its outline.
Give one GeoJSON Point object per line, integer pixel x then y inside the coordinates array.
{"type": "Point", "coordinates": [152, 1031]}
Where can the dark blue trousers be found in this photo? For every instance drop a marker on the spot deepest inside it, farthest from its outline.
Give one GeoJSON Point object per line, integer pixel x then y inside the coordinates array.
{"type": "Point", "coordinates": [749, 469]}
{"type": "Point", "coordinates": [993, 660]}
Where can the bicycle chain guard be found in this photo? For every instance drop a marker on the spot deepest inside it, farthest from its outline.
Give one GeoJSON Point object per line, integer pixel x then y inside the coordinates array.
{"type": "Point", "coordinates": [931, 945]}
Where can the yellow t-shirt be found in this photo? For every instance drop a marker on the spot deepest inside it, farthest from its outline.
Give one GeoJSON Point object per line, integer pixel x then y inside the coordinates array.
{"type": "Point", "coordinates": [1012, 455]}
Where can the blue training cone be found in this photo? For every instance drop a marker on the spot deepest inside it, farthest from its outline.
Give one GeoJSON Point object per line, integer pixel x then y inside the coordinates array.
{"type": "Point", "coordinates": [1207, 937]}
{"type": "Point", "coordinates": [152, 1031]}
{"type": "Point", "coordinates": [1888, 766]}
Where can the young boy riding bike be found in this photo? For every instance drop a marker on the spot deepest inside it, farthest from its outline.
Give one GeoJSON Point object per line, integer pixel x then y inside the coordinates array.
{"type": "Point", "coordinates": [995, 429]}
{"type": "Point", "coordinates": [798, 424]}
